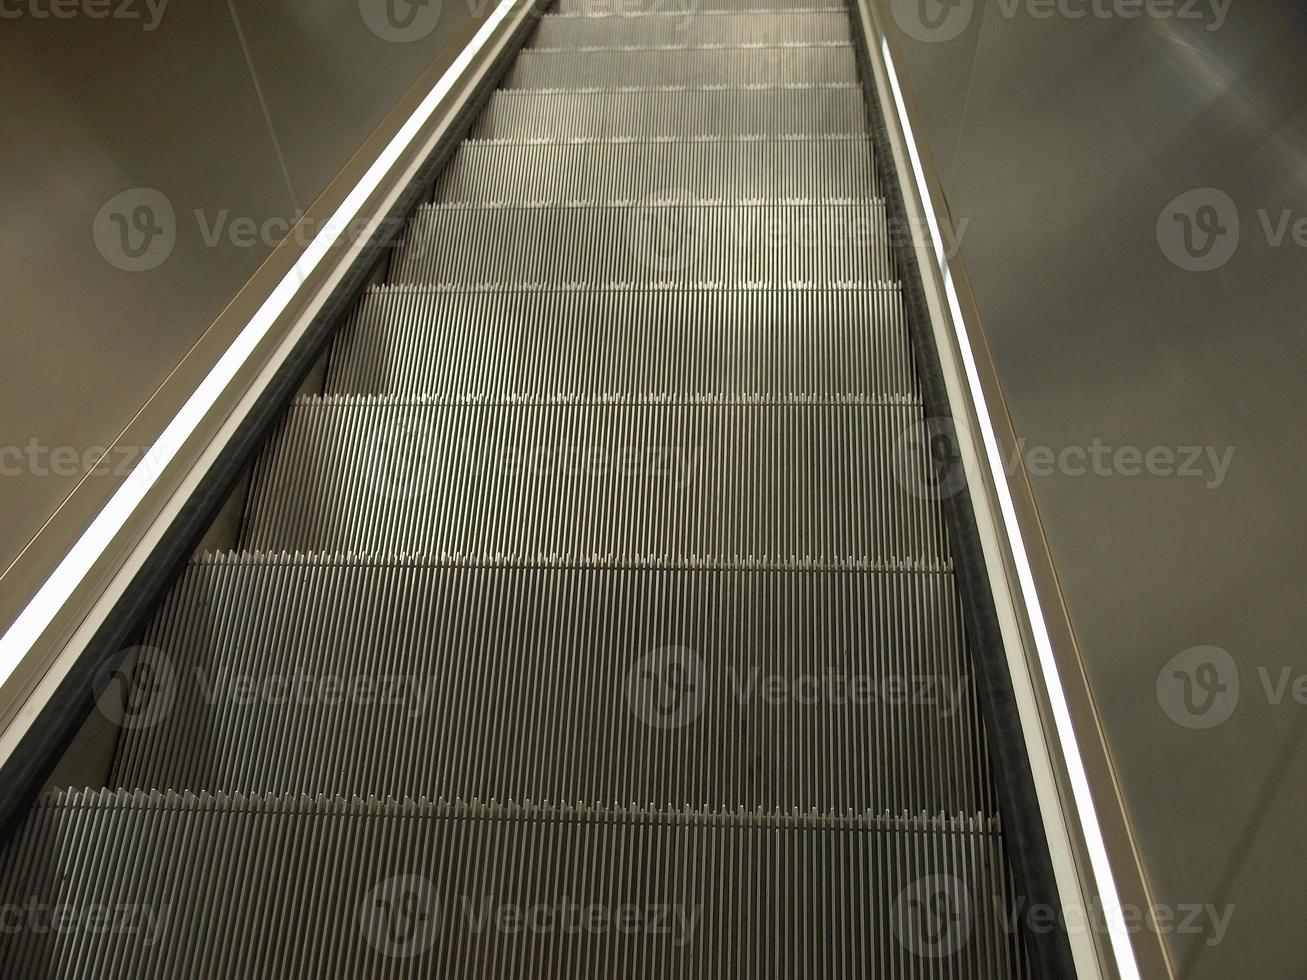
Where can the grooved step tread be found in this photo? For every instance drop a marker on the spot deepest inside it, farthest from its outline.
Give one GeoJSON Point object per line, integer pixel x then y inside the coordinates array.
{"type": "Point", "coordinates": [417, 340]}
{"type": "Point", "coordinates": [817, 481]}
{"type": "Point", "coordinates": [725, 689]}
{"type": "Point", "coordinates": [772, 65]}
{"type": "Point", "coordinates": [699, 29]}
{"type": "Point", "coordinates": [671, 113]}
{"type": "Point", "coordinates": [312, 888]}
{"type": "Point", "coordinates": [730, 170]}
{"type": "Point", "coordinates": [652, 242]}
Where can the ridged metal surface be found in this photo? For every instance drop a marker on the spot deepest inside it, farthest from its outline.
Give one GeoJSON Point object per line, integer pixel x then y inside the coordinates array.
{"type": "Point", "coordinates": [694, 28]}
{"type": "Point", "coordinates": [565, 114]}
{"type": "Point", "coordinates": [292, 887]}
{"type": "Point", "coordinates": [426, 340]}
{"type": "Point", "coordinates": [657, 68]}
{"type": "Point", "coordinates": [773, 169]}
{"type": "Point", "coordinates": [647, 243]}
{"type": "Point", "coordinates": [741, 688]}
{"type": "Point", "coordinates": [773, 479]}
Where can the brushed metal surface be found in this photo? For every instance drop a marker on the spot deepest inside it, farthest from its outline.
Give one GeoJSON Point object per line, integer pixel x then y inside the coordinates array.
{"type": "Point", "coordinates": [1063, 144]}
{"type": "Point", "coordinates": [240, 111]}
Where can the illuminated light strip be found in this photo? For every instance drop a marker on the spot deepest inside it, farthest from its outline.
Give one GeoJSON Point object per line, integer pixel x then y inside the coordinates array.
{"type": "Point", "coordinates": [1102, 868]}
{"type": "Point", "coordinates": [37, 616]}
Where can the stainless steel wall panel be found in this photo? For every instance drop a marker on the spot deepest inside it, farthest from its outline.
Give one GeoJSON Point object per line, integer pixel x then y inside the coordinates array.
{"type": "Point", "coordinates": [192, 134]}
{"type": "Point", "coordinates": [1066, 145]}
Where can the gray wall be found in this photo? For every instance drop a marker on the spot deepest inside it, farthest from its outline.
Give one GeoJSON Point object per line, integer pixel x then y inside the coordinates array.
{"type": "Point", "coordinates": [1062, 143]}
{"type": "Point", "coordinates": [241, 110]}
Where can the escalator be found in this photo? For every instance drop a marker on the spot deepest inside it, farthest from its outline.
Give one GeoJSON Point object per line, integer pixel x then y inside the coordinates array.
{"type": "Point", "coordinates": [587, 617]}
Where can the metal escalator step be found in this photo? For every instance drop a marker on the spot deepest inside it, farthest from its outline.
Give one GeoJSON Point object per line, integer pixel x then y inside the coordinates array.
{"type": "Point", "coordinates": [679, 113]}
{"type": "Point", "coordinates": [179, 886]}
{"type": "Point", "coordinates": [426, 340]}
{"type": "Point", "coordinates": [725, 689]}
{"type": "Point", "coordinates": [776, 480]}
{"type": "Point", "coordinates": [657, 67]}
{"type": "Point", "coordinates": [814, 168]}
{"type": "Point", "coordinates": [782, 244]}
{"type": "Point", "coordinates": [698, 29]}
